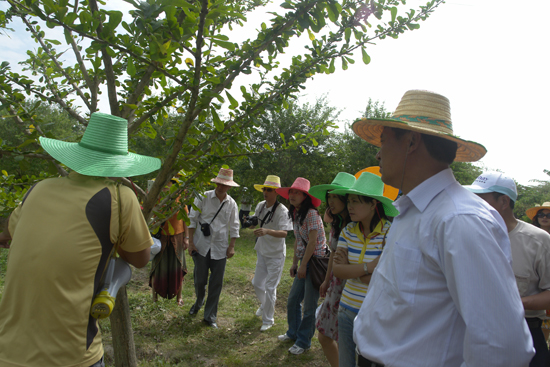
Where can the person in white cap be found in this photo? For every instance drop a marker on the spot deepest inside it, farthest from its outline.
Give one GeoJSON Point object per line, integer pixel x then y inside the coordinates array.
{"type": "Point", "coordinates": [211, 225]}
{"type": "Point", "coordinates": [530, 255]}
{"type": "Point", "coordinates": [443, 292]}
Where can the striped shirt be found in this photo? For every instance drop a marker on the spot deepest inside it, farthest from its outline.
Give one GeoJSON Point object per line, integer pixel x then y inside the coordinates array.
{"type": "Point", "coordinates": [360, 250]}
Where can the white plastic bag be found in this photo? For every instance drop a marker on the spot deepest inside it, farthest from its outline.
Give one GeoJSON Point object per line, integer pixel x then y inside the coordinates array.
{"type": "Point", "coordinates": [155, 249]}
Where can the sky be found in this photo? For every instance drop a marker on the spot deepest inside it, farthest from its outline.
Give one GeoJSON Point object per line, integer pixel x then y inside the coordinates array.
{"type": "Point", "coordinates": [490, 58]}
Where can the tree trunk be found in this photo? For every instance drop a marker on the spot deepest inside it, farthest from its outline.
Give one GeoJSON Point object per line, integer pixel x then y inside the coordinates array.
{"type": "Point", "coordinates": [121, 329]}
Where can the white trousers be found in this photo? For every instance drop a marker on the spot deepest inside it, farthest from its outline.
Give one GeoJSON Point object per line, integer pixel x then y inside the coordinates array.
{"type": "Point", "coordinates": [266, 279]}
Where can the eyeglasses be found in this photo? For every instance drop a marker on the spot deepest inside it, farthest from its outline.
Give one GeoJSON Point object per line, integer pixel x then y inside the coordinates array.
{"type": "Point", "coordinates": [542, 215]}
{"type": "Point", "coordinates": [267, 189]}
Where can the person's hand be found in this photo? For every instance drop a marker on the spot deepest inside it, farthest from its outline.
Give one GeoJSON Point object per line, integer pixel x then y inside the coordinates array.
{"type": "Point", "coordinates": [185, 243]}
{"type": "Point", "coordinates": [191, 247]}
{"type": "Point", "coordinates": [260, 232]}
{"type": "Point", "coordinates": [324, 288]}
{"type": "Point", "coordinates": [230, 252]}
{"type": "Point", "coordinates": [293, 270]}
{"type": "Point", "coordinates": [302, 271]}
{"type": "Point", "coordinates": [341, 256]}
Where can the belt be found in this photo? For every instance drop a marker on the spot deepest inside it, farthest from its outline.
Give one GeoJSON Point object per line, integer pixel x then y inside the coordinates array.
{"type": "Point", "coordinates": [363, 362]}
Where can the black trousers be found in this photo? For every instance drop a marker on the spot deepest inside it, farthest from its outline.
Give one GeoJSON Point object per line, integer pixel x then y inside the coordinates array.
{"type": "Point", "coordinates": [204, 265]}
{"type": "Point", "coordinates": [363, 362]}
{"type": "Point", "coordinates": [542, 356]}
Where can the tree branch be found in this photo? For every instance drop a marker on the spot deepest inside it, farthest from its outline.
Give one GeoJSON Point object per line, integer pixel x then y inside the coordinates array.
{"type": "Point", "coordinates": [57, 64]}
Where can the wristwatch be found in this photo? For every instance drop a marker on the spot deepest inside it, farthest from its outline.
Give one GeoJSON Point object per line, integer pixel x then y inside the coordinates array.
{"type": "Point", "coordinates": [366, 269]}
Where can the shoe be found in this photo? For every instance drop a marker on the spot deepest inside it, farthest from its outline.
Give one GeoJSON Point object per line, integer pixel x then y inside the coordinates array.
{"type": "Point", "coordinates": [259, 312]}
{"type": "Point", "coordinates": [284, 338]}
{"type": "Point", "coordinates": [212, 324]}
{"type": "Point", "coordinates": [296, 350]}
{"type": "Point", "coordinates": [194, 309]}
{"type": "Point", "coordinates": [266, 327]}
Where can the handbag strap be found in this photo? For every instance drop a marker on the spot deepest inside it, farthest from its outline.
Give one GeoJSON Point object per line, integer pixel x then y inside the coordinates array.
{"type": "Point", "coordinates": [115, 247]}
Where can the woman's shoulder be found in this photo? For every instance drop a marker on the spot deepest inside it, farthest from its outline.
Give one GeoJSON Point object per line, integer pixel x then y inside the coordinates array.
{"type": "Point", "coordinates": [350, 226]}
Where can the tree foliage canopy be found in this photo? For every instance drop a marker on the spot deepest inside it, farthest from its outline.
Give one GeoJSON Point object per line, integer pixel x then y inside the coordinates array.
{"type": "Point", "coordinates": [178, 58]}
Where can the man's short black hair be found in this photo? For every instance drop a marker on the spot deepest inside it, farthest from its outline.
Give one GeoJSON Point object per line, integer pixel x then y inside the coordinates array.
{"type": "Point", "coordinates": [440, 149]}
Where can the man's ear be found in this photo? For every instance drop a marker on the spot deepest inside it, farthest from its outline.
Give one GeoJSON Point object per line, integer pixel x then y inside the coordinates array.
{"type": "Point", "coordinates": [414, 141]}
{"type": "Point", "coordinates": [504, 202]}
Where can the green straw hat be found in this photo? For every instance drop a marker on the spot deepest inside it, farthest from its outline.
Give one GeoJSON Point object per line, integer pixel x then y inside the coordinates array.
{"type": "Point", "coordinates": [103, 150]}
{"type": "Point", "coordinates": [342, 180]}
{"type": "Point", "coordinates": [369, 184]}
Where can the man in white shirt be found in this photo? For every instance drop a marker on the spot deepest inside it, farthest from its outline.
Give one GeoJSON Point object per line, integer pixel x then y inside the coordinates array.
{"type": "Point", "coordinates": [270, 247]}
{"type": "Point", "coordinates": [209, 229]}
{"type": "Point", "coordinates": [530, 255]}
{"type": "Point", "coordinates": [443, 293]}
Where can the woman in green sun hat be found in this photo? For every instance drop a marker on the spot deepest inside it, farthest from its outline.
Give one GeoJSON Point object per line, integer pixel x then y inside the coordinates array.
{"type": "Point", "coordinates": [327, 318]}
{"type": "Point", "coordinates": [359, 248]}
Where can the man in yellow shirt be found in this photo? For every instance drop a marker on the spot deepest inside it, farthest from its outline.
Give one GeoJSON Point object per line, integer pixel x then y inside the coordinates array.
{"type": "Point", "coordinates": [63, 234]}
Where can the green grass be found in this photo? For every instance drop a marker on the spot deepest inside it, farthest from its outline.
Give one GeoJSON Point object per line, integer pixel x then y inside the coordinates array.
{"type": "Point", "coordinates": [166, 335]}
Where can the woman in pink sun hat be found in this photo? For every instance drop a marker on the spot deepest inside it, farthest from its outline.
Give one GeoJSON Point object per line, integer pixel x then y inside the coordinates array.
{"type": "Point", "coordinates": [310, 241]}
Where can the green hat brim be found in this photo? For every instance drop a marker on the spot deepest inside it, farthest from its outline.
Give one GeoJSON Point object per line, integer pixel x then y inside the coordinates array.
{"type": "Point", "coordinates": [320, 191]}
{"type": "Point", "coordinates": [97, 163]}
{"type": "Point", "coordinates": [389, 209]}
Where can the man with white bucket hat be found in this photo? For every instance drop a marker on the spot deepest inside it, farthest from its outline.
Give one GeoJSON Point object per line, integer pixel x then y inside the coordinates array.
{"type": "Point", "coordinates": [64, 232]}
{"type": "Point", "coordinates": [443, 293]}
{"type": "Point", "coordinates": [530, 255]}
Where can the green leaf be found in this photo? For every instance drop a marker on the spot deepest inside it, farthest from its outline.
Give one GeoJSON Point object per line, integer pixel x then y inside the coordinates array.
{"type": "Point", "coordinates": [314, 142]}
{"type": "Point", "coordinates": [366, 57]}
{"type": "Point", "coordinates": [282, 137]}
{"type": "Point", "coordinates": [227, 45]}
{"type": "Point", "coordinates": [131, 68]}
{"type": "Point", "coordinates": [347, 34]}
{"type": "Point", "coordinates": [393, 13]}
{"type": "Point", "coordinates": [344, 64]}
{"type": "Point", "coordinates": [413, 26]}
{"type": "Point", "coordinates": [55, 42]}
{"type": "Point", "coordinates": [266, 146]}
{"type": "Point", "coordinates": [218, 123]}
{"type": "Point", "coordinates": [304, 150]}
{"type": "Point", "coordinates": [232, 101]}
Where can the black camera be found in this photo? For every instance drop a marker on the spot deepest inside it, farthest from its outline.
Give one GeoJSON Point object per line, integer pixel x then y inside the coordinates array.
{"type": "Point", "coordinates": [250, 222]}
{"type": "Point", "coordinates": [205, 228]}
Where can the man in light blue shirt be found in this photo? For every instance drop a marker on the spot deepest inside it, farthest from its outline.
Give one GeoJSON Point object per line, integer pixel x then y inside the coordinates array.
{"type": "Point", "coordinates": [443, 293]}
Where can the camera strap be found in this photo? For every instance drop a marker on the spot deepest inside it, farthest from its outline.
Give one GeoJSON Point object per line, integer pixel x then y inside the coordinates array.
{"type": "Point", "coordinates": [268, 214]}
{"type": "Point", "coordinates": [215, 215]}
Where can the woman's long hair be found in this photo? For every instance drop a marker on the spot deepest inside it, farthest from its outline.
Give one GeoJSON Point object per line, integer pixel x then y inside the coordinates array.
{"type": "Point", "coordinates": [339, 221]}
{"type": "Point", "coordinates": [302, 212]}
{"type": "Point", "coordinates": [379, 211]}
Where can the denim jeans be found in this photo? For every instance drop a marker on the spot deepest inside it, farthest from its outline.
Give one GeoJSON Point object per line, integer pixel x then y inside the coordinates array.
{"type": "Point", "coordinates": [346, 345]}
{"type": "Point", "coordinates": [302, 328]}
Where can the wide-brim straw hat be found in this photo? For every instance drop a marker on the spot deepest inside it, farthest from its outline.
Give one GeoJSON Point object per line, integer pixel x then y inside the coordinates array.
{"type": "Point", "coordinates": [103, 150]}
{"type": "Point", "coordinates": [300, 184]}
{"type": "Point", "coordinates": [225, 177]}
{"type": "Point", "coordinates": [271, 181]}
{"type": "Point", "coordinates": [342, 180]}
{"type": "Point", "coordinates": [424, 112]}
{"type": "Point", "coordinates": [531, 212]}
{"type": "Point", "coordinates": [371, 185]}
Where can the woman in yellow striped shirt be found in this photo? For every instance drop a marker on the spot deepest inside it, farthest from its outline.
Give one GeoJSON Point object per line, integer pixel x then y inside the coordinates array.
{"type": "Point", "coordinates": [359, 248]}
